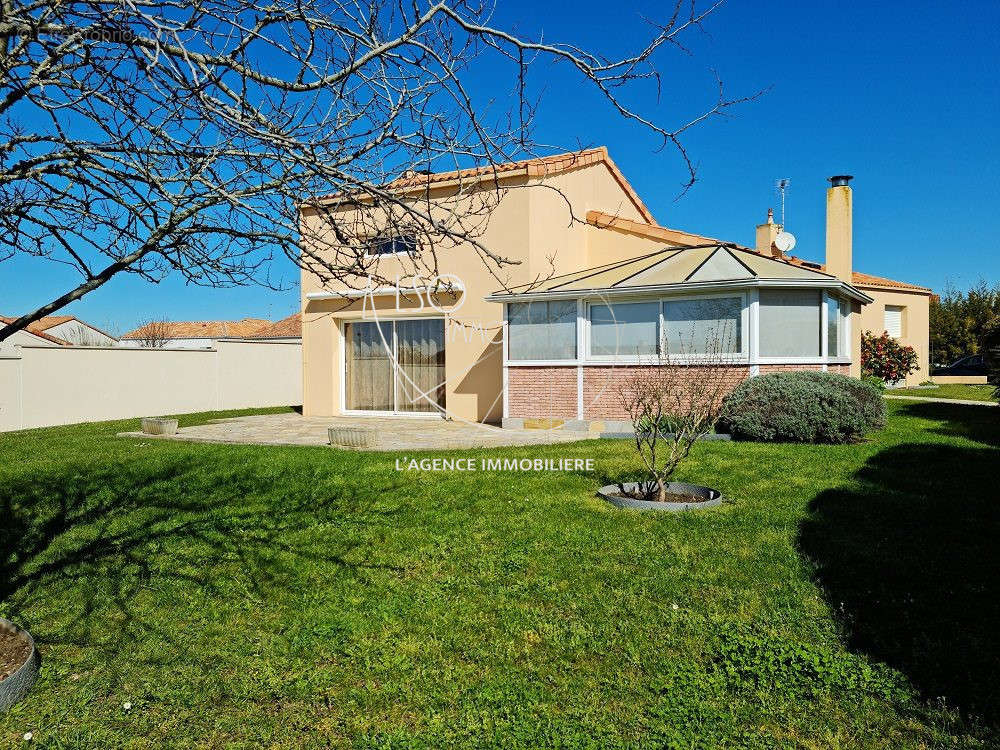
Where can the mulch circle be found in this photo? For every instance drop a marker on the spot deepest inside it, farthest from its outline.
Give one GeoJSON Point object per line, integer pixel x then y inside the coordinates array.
{"type": "Point", "coordinates": [15, 650]}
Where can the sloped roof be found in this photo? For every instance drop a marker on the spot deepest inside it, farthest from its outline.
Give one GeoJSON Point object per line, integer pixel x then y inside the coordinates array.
{"type": "Point", "coordinates": [677, 237]}
{"type": "Point", "coordinates": [203, 329]}
{"type": "Point", "coordinates": [36, 329]}
{"type": "Point", "coordinates": [707, 263]}
{"type": "Point", "coordinates": [54, 320]}
{"type": "Point", "coordinates": [542, 166]}
{"type": "Point", "coordinates": [51, 321]}
{"type": "Point", "coordinates": [286, 328]}
{"type": "Point", "coordinates": [603, 220]}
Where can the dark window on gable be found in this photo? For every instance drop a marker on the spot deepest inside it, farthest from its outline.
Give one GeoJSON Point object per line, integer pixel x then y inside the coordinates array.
{"type": "Point", "coordinates": [399, 243]}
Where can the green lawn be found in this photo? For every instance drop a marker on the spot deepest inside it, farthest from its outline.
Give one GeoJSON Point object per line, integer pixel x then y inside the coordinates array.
{"type": "Point", "coordinates": [950, 390]}
{"type": "Point", "coordinates": [847, 597]}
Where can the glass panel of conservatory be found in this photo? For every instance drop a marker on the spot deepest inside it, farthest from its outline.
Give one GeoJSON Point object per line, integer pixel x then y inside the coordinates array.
{"type": "Point", "coordinates": [627, 329]}
{"type": "Point", "coordinates": [790, 323]}
{"type": "Point", "coordinates": [703, 326]}
{"type": "Point", "coordinates": [541, 330]}
{"type": "Point", "coordinates": [834, 327]}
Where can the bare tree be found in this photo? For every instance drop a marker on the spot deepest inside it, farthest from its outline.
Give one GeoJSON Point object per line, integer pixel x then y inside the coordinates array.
{"type": "Point", "coordinates": [82, 335]}
{"type": "Point", "coordinates": [153, 334]}
{"type": "Point", "coordinates": [152, 137]}
{"type": "Point", "coordinates": [674, 401]}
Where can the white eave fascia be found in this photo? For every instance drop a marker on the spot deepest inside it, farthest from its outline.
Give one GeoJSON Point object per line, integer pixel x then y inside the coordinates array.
{"type": "Point", "coordinates": [687, 286]}
{"type": "Point", "coordinates": [382, 291]}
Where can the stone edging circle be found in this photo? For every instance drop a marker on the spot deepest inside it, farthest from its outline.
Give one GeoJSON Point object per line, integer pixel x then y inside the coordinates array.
{"type": "Point", "coordinates": [610, 493]}
{"type": "Point", "coordinates": [15, 687]}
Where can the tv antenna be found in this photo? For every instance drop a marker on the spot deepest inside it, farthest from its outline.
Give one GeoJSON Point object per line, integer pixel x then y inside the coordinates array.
{"type": "Point", "coordinates": [785, 241]}
{"type": "Point", "coordinates": [782, 185]}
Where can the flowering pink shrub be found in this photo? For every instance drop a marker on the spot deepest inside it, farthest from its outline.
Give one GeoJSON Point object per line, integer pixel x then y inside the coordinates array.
{"type": "Point", "coordinates": [885, 358]}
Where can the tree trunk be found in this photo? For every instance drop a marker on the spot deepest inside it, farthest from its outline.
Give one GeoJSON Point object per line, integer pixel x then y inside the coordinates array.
{"type": "Point", "coordinates": [661, 490]}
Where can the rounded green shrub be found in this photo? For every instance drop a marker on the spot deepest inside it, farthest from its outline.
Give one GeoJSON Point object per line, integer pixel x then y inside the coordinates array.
{"type": "Point", "coordinates": [803, 407]}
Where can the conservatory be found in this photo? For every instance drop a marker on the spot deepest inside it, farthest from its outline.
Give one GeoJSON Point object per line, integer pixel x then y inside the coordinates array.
{"type": "Point", "coordinates": [572, 339]}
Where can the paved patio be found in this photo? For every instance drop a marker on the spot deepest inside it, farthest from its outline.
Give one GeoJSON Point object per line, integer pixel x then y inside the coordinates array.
{"type": "Point", "coordinates": [395, 433]}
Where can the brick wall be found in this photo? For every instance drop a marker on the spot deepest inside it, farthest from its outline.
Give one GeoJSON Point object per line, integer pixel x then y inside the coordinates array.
{"type": "Point", "coordinates": [551, 391]}
{"type": "Point", "coordinates": [601, 386]}
{"type": "Point", "coordinates": [541, 392]}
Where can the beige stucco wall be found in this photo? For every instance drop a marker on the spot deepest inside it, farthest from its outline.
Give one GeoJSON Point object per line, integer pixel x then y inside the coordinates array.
{"type": "Point", "coordinates": [916, 325]}
{"type": "Point", "coordinates": [44, 386]}
{"type": "Point", "coordinates": [532, 225]}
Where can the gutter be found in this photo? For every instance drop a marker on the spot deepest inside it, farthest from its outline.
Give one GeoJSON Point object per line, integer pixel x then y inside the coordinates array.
{"type": "Point", "coordinates": [382, 291]}
{"type": "Point", "coordinates": [832, 283]}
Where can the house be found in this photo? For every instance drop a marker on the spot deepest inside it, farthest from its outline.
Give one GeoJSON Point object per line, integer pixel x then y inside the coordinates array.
{"type": "Point", "coordinates": [201, 334]}
{"type": "Point", "coordinates": [74, 331]}
{"type": "Point", "coordinates": [286, 329]}
{"type": "Point", "coordinates": [33, 335]}
{"type": "Point", "coordinates": [584, 301]}
{"type": "Point", "coordinates": [60, 330]}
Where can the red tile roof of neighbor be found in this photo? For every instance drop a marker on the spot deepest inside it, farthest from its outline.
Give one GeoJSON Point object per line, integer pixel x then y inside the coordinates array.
{"type": "Point", "coordinates": [286, 328]}
{"type": "Point", "coordinates": [247, 328]}
{"type": "Point", "coordinates": [37, 329]}
{"type": "Point", "coordinates": [203, 329]}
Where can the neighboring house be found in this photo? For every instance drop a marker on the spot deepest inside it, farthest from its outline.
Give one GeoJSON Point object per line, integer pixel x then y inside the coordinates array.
{"type": "Point", "coordinates": [59, 330]}
{"type": "Point", "coordinates": [200, 334]}
{"type": "Point", "coordinates": [287, 329]}
{"type": "Point", "coordinates": [33, 335]}
{"type": "Point", "coordinates": [74, 331]}
{"type": "Point", "coordinates": [586, 301]}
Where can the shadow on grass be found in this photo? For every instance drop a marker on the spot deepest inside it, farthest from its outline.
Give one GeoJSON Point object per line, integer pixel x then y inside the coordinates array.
{"type": "Point", "coordinates": [979, 423]}
{"type": "Point", "coordinates": [910, 560]}
{"type": "Point", "coordinates": [106, 550]}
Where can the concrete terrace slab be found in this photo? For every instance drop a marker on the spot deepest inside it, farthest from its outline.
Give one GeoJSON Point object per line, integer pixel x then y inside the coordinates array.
{"type": "Point", "coordinates": [394, 433]}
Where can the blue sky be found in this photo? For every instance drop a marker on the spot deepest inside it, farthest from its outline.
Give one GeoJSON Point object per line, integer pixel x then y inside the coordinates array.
{"type": "Point", "coordinates": [902, 95]}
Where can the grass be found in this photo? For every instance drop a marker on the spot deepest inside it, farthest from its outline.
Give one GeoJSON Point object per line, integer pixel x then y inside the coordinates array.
{"type": "Point", "coordinates": [951, 390]}
{"type": "Point", "coordinates": [242, 596]}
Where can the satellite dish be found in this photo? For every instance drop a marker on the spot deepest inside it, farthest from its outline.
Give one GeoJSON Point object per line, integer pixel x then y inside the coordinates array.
{"type": "Point", "coordinates": [785, 241]}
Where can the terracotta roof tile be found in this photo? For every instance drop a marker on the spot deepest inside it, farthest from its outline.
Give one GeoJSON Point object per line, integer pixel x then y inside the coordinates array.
{"type": "Point", "coordinates": [205, 329]}
{"type": "Point", "coordinates": [286, 328]}
{"type": "Point", "coordinates": [54, 320]}
{"type": "Point", "coordinates": [541, 166]}
{"type": "Point", "coordinates": [864, 280]}
{"type": "Point", "coordinates": [604, 220]}
{"type": "Point", "coordinates": [36, 329]}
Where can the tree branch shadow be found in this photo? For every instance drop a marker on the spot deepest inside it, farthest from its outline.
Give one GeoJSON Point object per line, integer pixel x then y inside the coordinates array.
{"type": "Point", "coordinates": [95, 543]}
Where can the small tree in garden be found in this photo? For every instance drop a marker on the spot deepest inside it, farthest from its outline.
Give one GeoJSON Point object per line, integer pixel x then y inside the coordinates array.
{"type": "Point", "coordinates": [671, 405]}
{"type": "Point", "coordinates": [885, 358]}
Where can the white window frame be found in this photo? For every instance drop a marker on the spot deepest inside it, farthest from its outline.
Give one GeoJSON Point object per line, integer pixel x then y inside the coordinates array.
{"type": "Point", "coordinates": [588, 356]}
{"type": "Point", "coordinates": [901, 309]}
{"type": "Point", "coordinates": [342, 366]}
{"type": "Point", "coordinates": [740, 357]}
{"type": "Point", "coordinates": [508, 362]}
{"type": "Point", "coordinates": [749, 353]}
{"type": "Point", "coordinates": [811, 359]}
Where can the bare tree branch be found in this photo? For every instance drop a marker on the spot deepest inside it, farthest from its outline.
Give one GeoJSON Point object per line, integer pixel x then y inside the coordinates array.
{"type": "Point", "coordinates": [159, 137]}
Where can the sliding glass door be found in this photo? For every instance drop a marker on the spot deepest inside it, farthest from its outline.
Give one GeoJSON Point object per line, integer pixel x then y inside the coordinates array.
{"type": "Point", "coordinates": [395, 366]}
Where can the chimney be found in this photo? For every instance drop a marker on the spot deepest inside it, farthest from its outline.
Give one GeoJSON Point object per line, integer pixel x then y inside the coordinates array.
{"type": "Point", "coordinates": [839, 227]}
{"type": "Point", "coordinates": [766, 233]}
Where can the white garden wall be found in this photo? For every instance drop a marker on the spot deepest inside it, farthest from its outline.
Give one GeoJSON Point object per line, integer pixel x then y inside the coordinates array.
{"type": "Point", "coordinates": [45, 386]}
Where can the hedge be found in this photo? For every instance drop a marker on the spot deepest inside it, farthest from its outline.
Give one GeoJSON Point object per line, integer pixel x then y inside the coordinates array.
{"type": "Point", "coordinates": [803, 407]}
